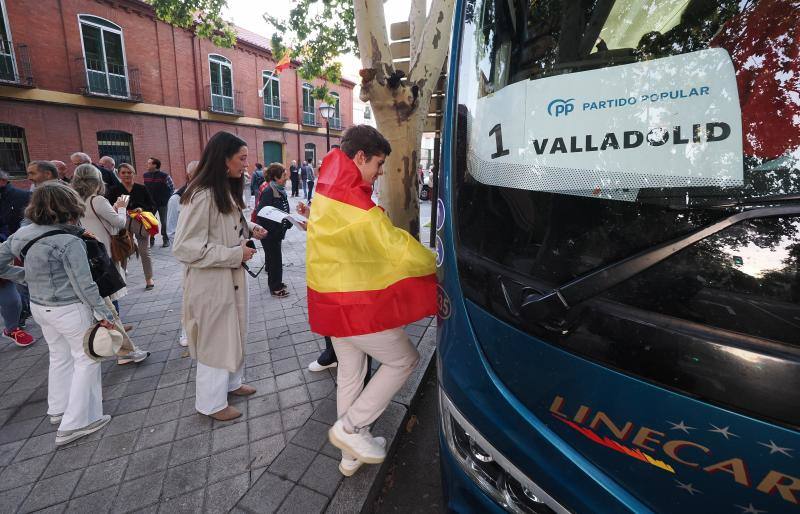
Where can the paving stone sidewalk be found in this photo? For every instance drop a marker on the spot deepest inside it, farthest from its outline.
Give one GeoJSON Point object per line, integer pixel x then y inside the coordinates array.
{"type": "Point", "coordinates": [158, 454]}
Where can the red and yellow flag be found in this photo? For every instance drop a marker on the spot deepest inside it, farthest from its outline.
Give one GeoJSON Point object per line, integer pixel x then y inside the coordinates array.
{"type": "Point", "coordinates": [283, 63]}
{"type": "Point", "coordinates": [364, 274]}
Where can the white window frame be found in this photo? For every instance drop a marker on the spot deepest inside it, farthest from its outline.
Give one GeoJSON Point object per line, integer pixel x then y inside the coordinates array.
{"type": "Point", "coordinates": [313, 150]}
{"type": "Point", "coordinates": [9, 52]}
{"type": "Point", "coordinates": [222, 61]}
{"type": "Point", "coordinates": [103, 28]}
{"type": "Point", "coordinates": [308, 88]}
{"type": "Point", "coordinates": [274, 80]}
{"type": "Point", "coordinates": [337, 110]}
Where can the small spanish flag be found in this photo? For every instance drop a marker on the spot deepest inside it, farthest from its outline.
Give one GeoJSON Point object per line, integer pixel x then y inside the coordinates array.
{"type": "Point", "coordinates": [284, 63]}
{"type": "Point", "coordinates": [364, 274]}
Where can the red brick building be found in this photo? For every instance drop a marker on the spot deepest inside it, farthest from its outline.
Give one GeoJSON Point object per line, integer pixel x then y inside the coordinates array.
{"type": "Point", "coordinates": [105, 77]}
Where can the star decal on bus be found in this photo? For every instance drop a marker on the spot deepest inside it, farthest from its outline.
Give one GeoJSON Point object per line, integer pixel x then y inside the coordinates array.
{"type": "Point", "coordinates": [689, 488]}
{"type": "Point", "coordinates": [725, 431]}
{"type": "Point", "coordinates": [774, 448]}
{"type": "Point", "coordinates": [680, 426]}
{"type": "Point", "coordinates": [750, 509]}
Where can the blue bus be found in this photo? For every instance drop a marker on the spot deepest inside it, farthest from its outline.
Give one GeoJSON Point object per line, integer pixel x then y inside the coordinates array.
{"type": "Point", "coordinates": [618, 243]}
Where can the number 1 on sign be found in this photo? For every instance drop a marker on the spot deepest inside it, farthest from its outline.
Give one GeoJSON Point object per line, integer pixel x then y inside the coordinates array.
{"type": "Point", "coordinates": [497, 131]}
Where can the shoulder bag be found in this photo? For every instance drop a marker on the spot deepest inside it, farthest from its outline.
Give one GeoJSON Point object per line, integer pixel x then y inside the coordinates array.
{"type": "Point", "coordinates": [122, 244]}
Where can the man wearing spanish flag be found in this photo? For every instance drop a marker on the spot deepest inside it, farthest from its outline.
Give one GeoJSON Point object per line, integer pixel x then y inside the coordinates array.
{"type": "Point", "coordinates": [366, 280]}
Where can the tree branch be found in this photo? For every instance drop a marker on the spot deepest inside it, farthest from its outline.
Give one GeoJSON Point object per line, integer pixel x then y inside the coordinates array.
{"type": "Point", "coordinates": [429, 59]}
{"type": "Point", "coordinates": [416, 23]}
{"type": "Point", "coordinates": [373, 41]}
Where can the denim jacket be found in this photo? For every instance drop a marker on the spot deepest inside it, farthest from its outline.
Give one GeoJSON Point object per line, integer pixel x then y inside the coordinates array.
{"type": "Point", "coordinates": [56, 268]}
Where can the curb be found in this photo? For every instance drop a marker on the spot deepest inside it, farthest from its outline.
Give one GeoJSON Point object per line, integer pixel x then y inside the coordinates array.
{"type": "Point", "coordinates": [357, 493]}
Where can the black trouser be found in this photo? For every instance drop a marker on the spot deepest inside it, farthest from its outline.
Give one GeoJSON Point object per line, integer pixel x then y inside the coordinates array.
{"type": "Point", "coordinates": [273, 262]}
{"type": "Point", "coordinates": [162, 219]}
{"type": "Point", "coordinates": [310, 190]}
{"type": "Point", "coordinates": [328, 356]}
{"type": "Point", "coordinates": [295, 184]}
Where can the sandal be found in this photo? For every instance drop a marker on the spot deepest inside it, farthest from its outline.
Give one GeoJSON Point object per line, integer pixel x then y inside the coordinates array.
{"type": "Point", "coordinates": [283, 293]}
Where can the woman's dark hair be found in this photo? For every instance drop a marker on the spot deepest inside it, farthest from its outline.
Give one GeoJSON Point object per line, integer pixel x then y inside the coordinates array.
{"type": "Point", "coordinates": [212, 173]}
{"type": "Point", "coordinates": [274, 171]}
{"type": "Point", "coordinates": [54, 203]}
{"type": "Point", "coordinates": [365, 138]}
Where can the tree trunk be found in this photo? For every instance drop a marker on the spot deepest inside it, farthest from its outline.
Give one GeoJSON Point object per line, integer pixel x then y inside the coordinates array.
{"type": "Point", "coordinates": [400, 183]}
{"type": "Point", "coordinates": [401, 107]}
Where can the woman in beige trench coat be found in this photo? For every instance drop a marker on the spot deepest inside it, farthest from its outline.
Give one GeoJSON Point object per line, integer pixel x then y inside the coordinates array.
{"type": "Point", "coordinates": [210, 242]}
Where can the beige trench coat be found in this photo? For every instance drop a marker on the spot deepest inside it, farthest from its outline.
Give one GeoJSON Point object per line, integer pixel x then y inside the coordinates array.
{"type": "Point", "coordinates": [207, 242]}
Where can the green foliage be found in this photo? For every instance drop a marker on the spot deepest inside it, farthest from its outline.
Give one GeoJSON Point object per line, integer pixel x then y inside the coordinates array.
{"type": "Point", "coordinates": [203, 15]}
{"type": "Point", "coordinates": [317, 31]}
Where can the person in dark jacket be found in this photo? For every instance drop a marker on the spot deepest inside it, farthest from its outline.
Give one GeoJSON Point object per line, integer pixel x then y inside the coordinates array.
{"type": "Point", "coordinates": [304, 178]}
{"type": "Point", "coordinates": [139, 200]}
{"type": "Point", "coordinates": [161, 187]}
{"type": "Point", "coordinates": [274, 195]}
{"type": "Point", "coordinates": [294, 176]}
{"type": "Point", "coordinates": [12, 307]}
{"type": "Point", "coordinates": [12, 206]}
{"type": "Point", "coordinates": [109, 179]}
{"type": "Point", "coordinates": [257, 179]}
{"type": "Point", "coordinates": [308, 170]}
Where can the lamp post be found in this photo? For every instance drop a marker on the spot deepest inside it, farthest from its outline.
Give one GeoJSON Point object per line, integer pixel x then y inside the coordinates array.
{"type": "Point", "coordinates": [326, 111]}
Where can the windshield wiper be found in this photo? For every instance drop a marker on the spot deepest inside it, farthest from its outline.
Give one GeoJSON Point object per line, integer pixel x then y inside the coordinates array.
{"type": "Point", "coordinates": [755, 200]}
{"type": "Point", "coordinates": [540, 306]}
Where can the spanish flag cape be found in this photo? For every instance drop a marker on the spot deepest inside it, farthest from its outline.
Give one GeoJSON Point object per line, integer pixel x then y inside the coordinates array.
{"type": "Point", "coordinates": [364, 274]}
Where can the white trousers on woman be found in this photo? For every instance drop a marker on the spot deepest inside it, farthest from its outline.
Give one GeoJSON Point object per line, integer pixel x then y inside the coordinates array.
{"type": "Point", "coordinates": [212, 387]}
{"type": "Point", "coordinates": [74, 386]}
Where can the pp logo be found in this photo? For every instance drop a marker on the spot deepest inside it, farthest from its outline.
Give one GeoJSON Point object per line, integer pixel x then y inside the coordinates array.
{"type": "Point", "coordinates": [559, 107]}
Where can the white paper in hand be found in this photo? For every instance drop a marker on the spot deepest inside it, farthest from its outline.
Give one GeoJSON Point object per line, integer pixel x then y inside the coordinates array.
{"type": "Point", "coordinates": [271, 213]}
{"type": "Point", "coordinates": [277, 215]}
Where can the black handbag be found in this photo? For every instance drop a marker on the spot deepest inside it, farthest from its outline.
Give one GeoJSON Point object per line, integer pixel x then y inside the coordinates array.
{"type": "Point", "coordinates": [104, 272]}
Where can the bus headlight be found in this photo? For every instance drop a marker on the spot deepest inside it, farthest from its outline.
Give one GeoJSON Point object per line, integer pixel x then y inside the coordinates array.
{"type": "Point", "coordinates": [490, 470]}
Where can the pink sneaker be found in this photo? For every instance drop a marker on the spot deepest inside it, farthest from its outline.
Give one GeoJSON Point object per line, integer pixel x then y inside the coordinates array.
{"type": "Point", "coordinates": [19, 336]}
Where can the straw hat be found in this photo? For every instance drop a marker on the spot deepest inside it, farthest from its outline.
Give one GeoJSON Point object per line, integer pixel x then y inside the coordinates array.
{"type": "Point", "coordinates": [100, 342]}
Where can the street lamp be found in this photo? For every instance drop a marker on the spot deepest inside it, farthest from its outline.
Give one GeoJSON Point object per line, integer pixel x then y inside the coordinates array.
{"type": "Point", "coordinates": [327, 111]}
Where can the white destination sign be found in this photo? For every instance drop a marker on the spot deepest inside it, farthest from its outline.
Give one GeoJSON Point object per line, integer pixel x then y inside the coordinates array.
{"type": "Point", "coordinates": [670, 122]}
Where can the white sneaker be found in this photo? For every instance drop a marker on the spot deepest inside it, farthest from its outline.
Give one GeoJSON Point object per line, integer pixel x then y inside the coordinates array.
{"type": "Point", "coordinates": [183, 342]}
{"type": "Point", "coordinates": [360, 444]}
{"type": "Point", "coordinates": [134, 356]}
{"type": "Point", "coordinates": [348, 467]}
{"type": "Point", "coordinates": [67, 436]}
{"type": "Point", "coordinates": [55, 419]}
{"type": "Point", "coordinates": [316, 366]}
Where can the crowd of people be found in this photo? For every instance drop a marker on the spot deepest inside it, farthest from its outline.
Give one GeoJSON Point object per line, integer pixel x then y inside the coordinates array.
{"type": "Point", "coordinates": [366, 278]}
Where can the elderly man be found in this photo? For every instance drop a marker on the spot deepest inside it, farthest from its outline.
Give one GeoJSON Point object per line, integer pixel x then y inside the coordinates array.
{"type": "Point", "coordinates": [40, 172]}
{"type": "Point", "coordinates": [109, 178]}
{"type": "Point", "coordinates": [109, 164]}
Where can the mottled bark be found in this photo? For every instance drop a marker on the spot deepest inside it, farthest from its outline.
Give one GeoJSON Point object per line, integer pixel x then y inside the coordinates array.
{"type": "Point", "coordinates": [401, 107]}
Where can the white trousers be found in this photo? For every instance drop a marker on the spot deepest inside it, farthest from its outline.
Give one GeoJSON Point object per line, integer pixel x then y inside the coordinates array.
{"type": "Point", "coordinates": [358, 406]}
{"type": "Point", "coordinates": [74, 385]}
{"type": "Point", "coordinates": [212, 387]}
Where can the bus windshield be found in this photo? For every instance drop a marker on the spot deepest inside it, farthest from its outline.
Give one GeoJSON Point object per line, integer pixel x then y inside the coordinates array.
{"type": "Point", "coordinates": [593, 131]}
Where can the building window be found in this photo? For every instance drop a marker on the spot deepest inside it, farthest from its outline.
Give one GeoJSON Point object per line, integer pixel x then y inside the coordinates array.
{"type": "Point", "coordinates": [309, 117]}
{"type": "Point", "coordinates": [272, 96]}
{"type": "Point", "coordinates": [221, 83]}
{"type": "Point", "coordinates": [8, 69]}
{"type": "Point", "coordinates": [13, 149]}
{"type": "Point", "coordinates": [336, 119]}
{"type": "Point", "coordinates": [367, 112]}
{"type": "Point", "coordinates": [104, 57]}
{"type": "Point", "coordinates": [116, 144]}
{"type": "Point", "coordinates": [311, 153]}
